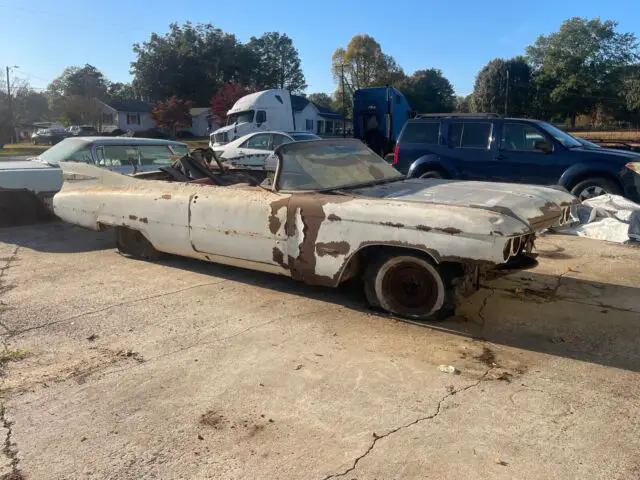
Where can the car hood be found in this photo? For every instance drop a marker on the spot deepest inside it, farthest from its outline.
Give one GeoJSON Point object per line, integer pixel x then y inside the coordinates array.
{"type": "Point", "coordinates": [24, 165]}
{"type": "Point", "coordinates": [609, 153]}
{"type": "Point", "coordinates": [533, 205]}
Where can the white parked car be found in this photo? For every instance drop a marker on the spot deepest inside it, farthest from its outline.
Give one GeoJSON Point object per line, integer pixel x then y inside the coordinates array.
{"type": "Point", "coordinates": [334, 211]}
{"type": "Point", "coordinates": [253, 148]}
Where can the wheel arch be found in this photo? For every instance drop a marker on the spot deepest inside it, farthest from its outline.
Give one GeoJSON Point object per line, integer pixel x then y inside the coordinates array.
{"type": "Point", "coordinates": [353, 266]}
{"type": "Point", "coordinates": [578, 173]}
{"type": "Point", "coordinates": [430, 162]}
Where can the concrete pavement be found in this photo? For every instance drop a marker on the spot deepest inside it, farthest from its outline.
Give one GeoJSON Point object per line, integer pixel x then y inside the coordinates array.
{"type": "Point", "coordinates": [121, 369]}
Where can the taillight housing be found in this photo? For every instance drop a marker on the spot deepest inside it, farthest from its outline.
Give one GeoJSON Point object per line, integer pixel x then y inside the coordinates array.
{"type": "Point", "coordinates": [396, 153]}
{"type": "Point", "coordinates": [634, 167]}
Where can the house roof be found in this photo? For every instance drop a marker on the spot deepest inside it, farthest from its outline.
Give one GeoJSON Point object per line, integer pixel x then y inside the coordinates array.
{"type": "Point", "coordinates": [197, 111]}
{"type": "Point", "coordinates": [326, 112]}
{"type": "Point", "coordinates": [130, 105]}
{"type": "Point", "coordinates": [298, 103]}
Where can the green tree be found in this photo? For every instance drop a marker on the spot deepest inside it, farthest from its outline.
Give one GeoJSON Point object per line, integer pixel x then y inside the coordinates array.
{"type": "Point", "coordinates": [191, 62]}
{"type": "Point", "coordinates": [580, 65]}
{"type": "Point", "coordinates": [364, 64]}
{"type": "Point", "coordinates": [75, 95]}
{"type": "Point", "coordinates": [428, 91]}
{"type": "Point", "coordinates": [491, 87]}
{"type": "Point", "coordinates": [278, 62]}
{"type": "Point", "coordinates": [122, 91]}
{"type": "Point", "coordinates": [464, 104]}
{"type": "Point", "coordinates": [172, 113]}
{"type": "Point", "coordinates": [320, 99]}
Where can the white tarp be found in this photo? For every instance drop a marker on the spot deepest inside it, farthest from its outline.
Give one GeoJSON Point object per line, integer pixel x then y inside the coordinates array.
{"type": "Point", "coordinates": [607, 217]}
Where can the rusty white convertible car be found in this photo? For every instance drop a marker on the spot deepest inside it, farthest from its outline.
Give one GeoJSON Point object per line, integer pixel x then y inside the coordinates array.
{"type": "Point", "coordinates": [332, 211]}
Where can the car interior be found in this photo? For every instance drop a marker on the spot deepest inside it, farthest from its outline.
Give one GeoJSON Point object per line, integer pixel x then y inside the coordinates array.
{"type": "Point", "coordinates": [202, 166]}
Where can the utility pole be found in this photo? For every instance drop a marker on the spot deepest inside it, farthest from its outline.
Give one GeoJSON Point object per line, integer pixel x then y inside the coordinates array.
{"type": "Point", "coordinates": [344, 109]}
{"type": "Point", "coordinates": [13, 130]}
{"type": "Point", "coordinates": [506, 96]}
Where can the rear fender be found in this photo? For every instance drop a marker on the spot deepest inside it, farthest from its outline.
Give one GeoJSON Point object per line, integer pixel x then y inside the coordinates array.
{"type": "Point", "coordinates": [429, 162]}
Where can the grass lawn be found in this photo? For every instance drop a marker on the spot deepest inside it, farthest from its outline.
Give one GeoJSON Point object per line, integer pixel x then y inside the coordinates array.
{"type": "Point", "coordinates": [22, 149]}
{"type": "Point", "coordinates": [196, 142]}
{"type": "Point", "coordinates": [624, 135]}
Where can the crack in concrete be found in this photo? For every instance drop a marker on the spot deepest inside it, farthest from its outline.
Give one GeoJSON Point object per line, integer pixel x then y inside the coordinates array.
{"type": "Point", "coordinates": [12, 258]}
{"type": "Point", "coordinates": [8, 448]}
{"type": "Point", "coordinates": [407, 425]}
{"type": "Point", "coordinates": [13, 333]}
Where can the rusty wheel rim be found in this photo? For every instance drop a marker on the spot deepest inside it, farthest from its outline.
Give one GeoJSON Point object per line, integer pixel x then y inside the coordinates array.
{"type": "Point", "coordinates": [410, 288]}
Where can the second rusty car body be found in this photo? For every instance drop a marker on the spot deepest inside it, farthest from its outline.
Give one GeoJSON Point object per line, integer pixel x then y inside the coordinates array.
{"type": "Point", "coordinates": [333, 211]}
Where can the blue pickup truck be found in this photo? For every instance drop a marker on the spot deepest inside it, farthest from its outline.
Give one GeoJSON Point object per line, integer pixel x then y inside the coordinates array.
{"type": "Point", "coordinates": [494, 148]}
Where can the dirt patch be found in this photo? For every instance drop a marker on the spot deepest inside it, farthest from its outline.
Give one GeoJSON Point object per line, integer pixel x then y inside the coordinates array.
{"type": "Point", "coordinates": [488, 357]}
{"type": "Point", "coordinates": [212, 419]}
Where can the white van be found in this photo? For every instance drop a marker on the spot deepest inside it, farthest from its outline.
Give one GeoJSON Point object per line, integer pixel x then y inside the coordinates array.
{"type": "Point", "coordinates": [268, 110]}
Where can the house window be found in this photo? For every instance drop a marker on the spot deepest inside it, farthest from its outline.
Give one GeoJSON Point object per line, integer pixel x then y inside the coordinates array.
{"type": "Point", "coordinates": [133, 119]}
{"type": "Point", "coordinates": [320, 125]}
{"type": "Point", "coordinates": [107, 118]}
{"type": "Point", "coordinates": [329, 127]}
{"type": "Point", "coordinates": [309, 125]}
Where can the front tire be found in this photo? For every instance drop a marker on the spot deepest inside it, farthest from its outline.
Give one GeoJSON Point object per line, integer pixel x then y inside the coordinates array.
{"type": "Point", "coordinates": [134, 244]}
{"type": "Point", "coordinates": [594, 187]}
{"type": "Point", "coordinates": [408, 286]}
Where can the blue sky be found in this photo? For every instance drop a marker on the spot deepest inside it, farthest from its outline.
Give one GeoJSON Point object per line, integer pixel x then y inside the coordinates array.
{"type": "Point", "coordinates": [458, 37]}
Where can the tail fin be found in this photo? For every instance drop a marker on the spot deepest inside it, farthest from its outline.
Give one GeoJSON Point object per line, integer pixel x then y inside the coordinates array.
{"type": "Point", "coordinates": [77, 175]}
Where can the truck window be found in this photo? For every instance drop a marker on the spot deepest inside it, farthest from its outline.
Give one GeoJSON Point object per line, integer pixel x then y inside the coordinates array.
{"type": "Point", "coordinates": [261, 117]}
{"type": "Point", "coordinates": [240, 117]}
{"type": "Point", "coordinates": [422, 132]}
{"type": "Point", "coordinates": [469, 134]}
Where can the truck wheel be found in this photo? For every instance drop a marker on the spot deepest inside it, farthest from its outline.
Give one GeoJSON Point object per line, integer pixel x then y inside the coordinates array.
{"type": "Point", "coordinates": [594, 187]}
{"type": "Point", "coordinates": [133, 243]}
{"type": "Point", "coordinates": [407, 286]}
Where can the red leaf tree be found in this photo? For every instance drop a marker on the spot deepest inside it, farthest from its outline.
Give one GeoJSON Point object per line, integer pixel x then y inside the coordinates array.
{"type": "Point", "coordinates": [172, 113]}
{"type": "Point", "coordinates": [224, 99]}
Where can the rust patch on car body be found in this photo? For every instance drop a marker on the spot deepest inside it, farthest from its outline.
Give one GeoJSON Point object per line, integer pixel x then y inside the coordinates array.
{"type": "Point", "coordinates": [450, 230]}
{"type": "Point", "coordinates": [333, 217]}
{"type": "Point", "coordinates": [144, 220]}
{"type": "Point", "coordinates": [278, 257]}
{"type": "Point", "coordinates": [132, 217]}
{"type": "Point", "coordinates": [423, 228]}
{"type": "Point", "coordinates": [274, 221]}
{"type": "Point", "coordinates": [166, 196]}
{"type": "Point", "coordinates": [391, 224]}
{"type": "Point", "coordinates": [333, 249]}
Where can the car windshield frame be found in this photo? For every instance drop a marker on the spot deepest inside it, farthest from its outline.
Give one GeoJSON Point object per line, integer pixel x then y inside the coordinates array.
{"type": "Point", "coordinates": [66, 148]}
{"type": "Point", "coordinates": [312, 136]}
{"type": "Point", "coordinates": [561, 136]}
{"type": "Point", "coordinates": [379, 171]}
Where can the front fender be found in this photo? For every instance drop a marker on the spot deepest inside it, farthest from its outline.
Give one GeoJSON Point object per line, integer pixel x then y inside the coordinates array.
{"type": "Point", "coordinates": [595, 168]}
{"type": "Point", "coordinates": [429, 162]}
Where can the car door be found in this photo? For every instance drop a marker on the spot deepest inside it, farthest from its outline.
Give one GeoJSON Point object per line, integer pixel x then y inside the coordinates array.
{"type": "Point", "coordinates": [470, 145]}
{"type": "Point", "coordinates": [239, 225]}
{"type": "Point", "coordinates": [525, 154]}
{"type": "Point", "coordinates": [256, 144]}
{"type": "Point", "coordinates": [118, 158]}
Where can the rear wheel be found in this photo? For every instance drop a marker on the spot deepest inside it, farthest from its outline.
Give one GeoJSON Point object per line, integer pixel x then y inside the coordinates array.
{"type": "Point", "coordinates": [408, 286]}
{"type": "Point", "coordinates": [594, 187]}
{"type": "Point", "coordinates": [430, 174]}
{"type": "Point", "coordinates": [133, 243]}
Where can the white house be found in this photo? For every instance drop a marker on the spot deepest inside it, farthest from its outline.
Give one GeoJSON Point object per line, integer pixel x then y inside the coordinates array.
{"type": "Point", "coordinates": [312, 118]}
{"type": "Point", "coordinates": [135, 115]}
{"type": "Point", "coordinates": [202, 122]}
{"type": "Point", "coordinates": [132, 115]}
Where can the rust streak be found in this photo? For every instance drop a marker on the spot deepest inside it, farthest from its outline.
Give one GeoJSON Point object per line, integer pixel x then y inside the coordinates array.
{"type": "Point", "coordinates": [333, 217]}
{"type": "Point", "coordinates": [423, 228]}
{"type": "Point", "coordinates": [391, 224]}
{"type": "Point", "coordinates": [333, 249]}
